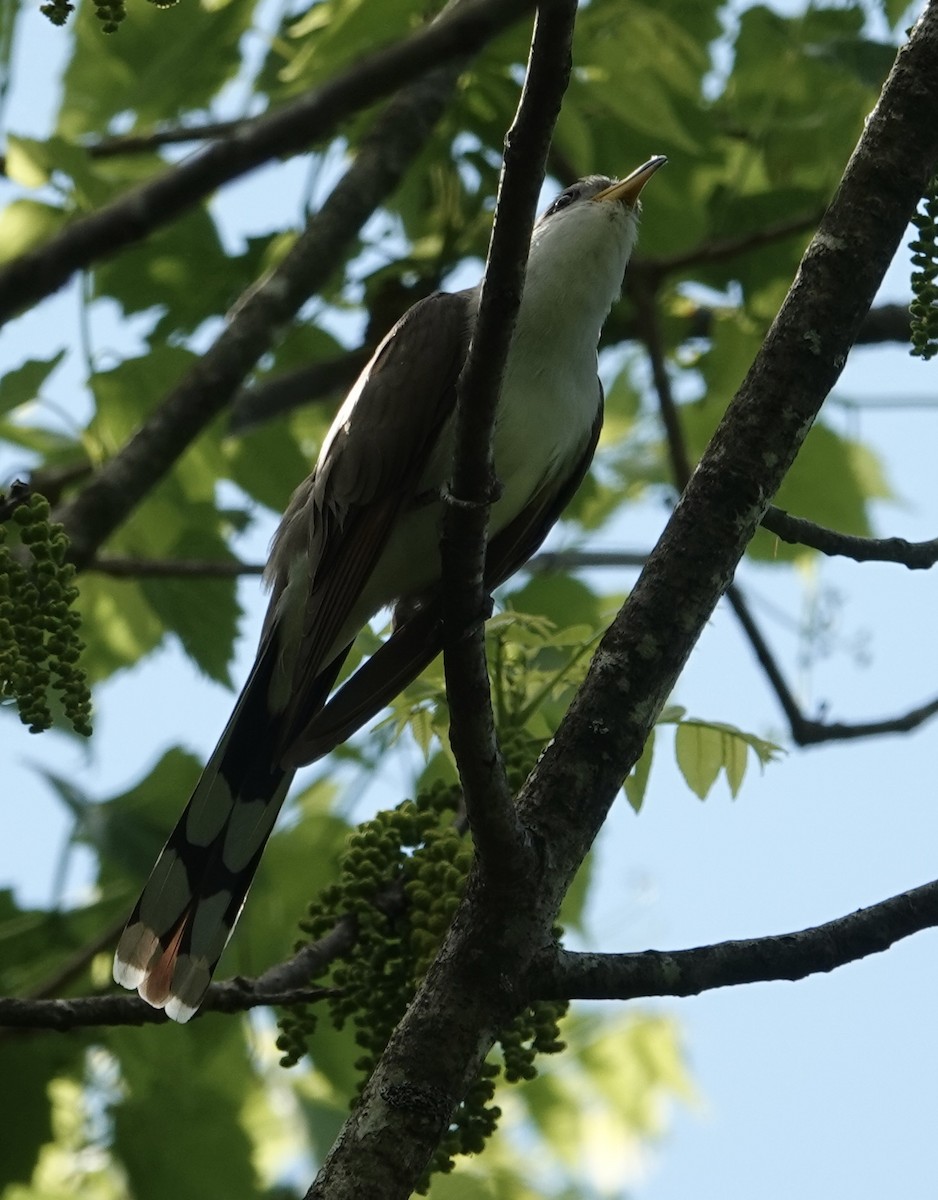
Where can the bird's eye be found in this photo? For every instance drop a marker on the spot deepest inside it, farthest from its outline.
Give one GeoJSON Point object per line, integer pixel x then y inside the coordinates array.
{"type": "Point", "coordinates": [563, 200]}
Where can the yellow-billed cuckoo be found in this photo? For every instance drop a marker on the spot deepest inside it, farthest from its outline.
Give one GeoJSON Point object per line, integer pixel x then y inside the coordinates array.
{"type": "Point", "coordinates": [362, 532]}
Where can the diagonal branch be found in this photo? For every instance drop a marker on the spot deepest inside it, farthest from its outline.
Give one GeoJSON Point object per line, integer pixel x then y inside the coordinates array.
{"type": "Point", "coordinates": [454, 37]}
{"type": "Point", "coordinates": [804, 731]}
{"type": "Point", "coordinates": [385, 153]}
{"type": "Point", "coordinates": [790, 956]}
{"type": "Point", "coordinates": [803, 354]}
{"type": "Point", "coordinates": [495, 828]}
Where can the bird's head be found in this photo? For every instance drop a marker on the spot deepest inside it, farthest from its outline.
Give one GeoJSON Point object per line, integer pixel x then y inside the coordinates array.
{"type": "Point", "coordinates": [585, 238]}
{"type": "Point", "coordinates": [588, 207]}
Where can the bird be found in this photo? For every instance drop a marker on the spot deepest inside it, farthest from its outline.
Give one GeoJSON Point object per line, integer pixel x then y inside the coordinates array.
{"type": "Point", "coordinates": [361, 533]}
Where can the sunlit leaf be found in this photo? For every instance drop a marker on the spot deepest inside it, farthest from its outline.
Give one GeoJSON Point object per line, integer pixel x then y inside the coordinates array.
{"type": "Point", "coordinates": [22, 384]}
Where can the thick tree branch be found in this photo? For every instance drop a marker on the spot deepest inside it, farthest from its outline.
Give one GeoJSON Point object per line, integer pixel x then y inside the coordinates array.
{"type": "Point", "coordinates": [455, 36]}
{"type": "Point", "coordinates": [495, 828]}
{"type": "Point", "coordinates": [638, 662]}
{"type": "Point", "coordinates": [391, 145]}
{"type": "Point", "coordinates": [789, 956]}
{"type": "Point", "coordinates": [804, 731]}
{"type": "Point", "coordinates": [561, 974]}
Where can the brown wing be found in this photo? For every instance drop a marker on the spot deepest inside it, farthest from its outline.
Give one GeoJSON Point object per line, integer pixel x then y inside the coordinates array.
{"type": "Point", "coordinates": [418, 640]}
{"type": "Point", "coordinates": [339, 520]}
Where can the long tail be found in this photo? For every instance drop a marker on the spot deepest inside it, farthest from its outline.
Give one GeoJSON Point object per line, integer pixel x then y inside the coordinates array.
{"type": "Point", "coordinates": [194, 896]}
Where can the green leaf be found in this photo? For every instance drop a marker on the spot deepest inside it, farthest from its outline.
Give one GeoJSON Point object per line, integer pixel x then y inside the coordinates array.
{"type": "Point", "coordinates": [128, 830]}
{"type": "Point", "coordinates": [561, 598]}
{"type": "Point", "coordinates": [163, 63]}
{"type": "Point", "coordinates": [181, 268]}
{"type": "Point", "coordinates": [636, 782]}
{"type": "Point", "coordinates": [30, 1065]}
{"type": "Point", "coordinates": [700, 754]}
{"type": "Point", "coordinates": [119, 624]}
{"type": "Point", "coordinates": [705, 748]}
{"type": "Point", "coordinates": [267, 463]}
{"type": "Point", "coordinates": [211, 1068]}
{"type": "Point", "coordinates": [203, 613]}
{"type": "Point", "coordinates": [23, 384]}
{"type": "Point", "coordinates": [26, 223]}
{"type": "Point", "coordinates": [127, 392]}
{"type": "Point", "coordinates": [26, 162]}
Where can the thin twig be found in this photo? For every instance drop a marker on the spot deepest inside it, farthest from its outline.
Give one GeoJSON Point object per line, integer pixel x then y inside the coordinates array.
{"type": "Point", "coordinates": [283, 985]}
{"type": "Point", "coordinates": [495, 827]}
{"type": "Point", "coordinates": [917, 556]}
{"type": "Point", "coordinates": [804, 731]}
{"type": "Point", "coordinates": [721, 249]}
{"type": "Point", "coordinates": [172, 568]}
{"type": "Point", "coordinates": [143, 143]}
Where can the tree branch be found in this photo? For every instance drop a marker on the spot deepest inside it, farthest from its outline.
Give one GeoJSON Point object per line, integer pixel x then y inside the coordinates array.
{"type": "Point", "coordinates": [641, 657]}
{"type": "Point", "coordinates": [917, 556]}
{"type": "Point", "coordinates": [556, 974]}
{"type": "Point", "coordinates": [789, 956]}
{"type": "Point", "coordinates": [805, 732]}
{"type": "Point", "coordinates": [391, 145]}
{"type": "Point", "coordinates": [172, 568]}
{"type": "Point", "coordinates": [492, 818]}
{"type": "Point", "coordinates": [307, 385]}
{"type": "Point", "coordinates": [456, 36]}
{"type": "Point", "coordinates": [84, 1012]}
{"type": "Point", "coordinates": [283, 985]}
{"type": "Point", "coordinates": [143, 143]}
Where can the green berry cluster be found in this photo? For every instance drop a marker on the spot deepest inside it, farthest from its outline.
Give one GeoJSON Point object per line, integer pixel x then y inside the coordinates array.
{"type": "Point", "coordinates": [924, 307]}
{"type": "Point", "coordinates": [57, 11]}
{"type": "Point", "coordinates": [401, 878]}
{"type": "Point", "coordinates": [39, 644]}
{"type": "Point", "coordinates": [110, 13]}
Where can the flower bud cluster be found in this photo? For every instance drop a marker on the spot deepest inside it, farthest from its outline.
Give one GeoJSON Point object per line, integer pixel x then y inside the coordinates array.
{"type": "Point", "coordinates": [40, 648]}
{"type": "Point", "coordinates": [924, 307]}
{"type": "Point", "coordinates": [402, 877]}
